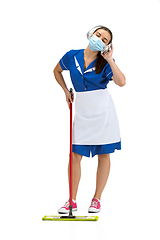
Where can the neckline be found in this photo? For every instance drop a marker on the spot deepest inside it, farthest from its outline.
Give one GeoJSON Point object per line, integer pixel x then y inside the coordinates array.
{"type": "Point", "coordinates": [90, 62]}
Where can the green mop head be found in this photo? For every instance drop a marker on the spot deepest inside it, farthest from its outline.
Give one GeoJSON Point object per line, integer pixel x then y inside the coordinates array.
{"type": "Point", "coordinates": [69, 218]}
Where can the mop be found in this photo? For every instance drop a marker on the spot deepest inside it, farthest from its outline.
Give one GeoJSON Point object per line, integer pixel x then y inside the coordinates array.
{"type": "Point", "coordinates": [70, 217]}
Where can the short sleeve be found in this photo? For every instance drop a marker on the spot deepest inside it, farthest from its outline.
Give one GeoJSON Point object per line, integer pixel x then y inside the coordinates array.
{"type": "Point", "coordinates": [65, 61]}
{"type": "Point", "coordinates": [108, 72]}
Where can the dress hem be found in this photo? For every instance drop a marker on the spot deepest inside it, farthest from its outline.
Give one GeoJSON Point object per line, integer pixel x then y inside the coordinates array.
{"type": "Point", "coordinates": [92, 150]}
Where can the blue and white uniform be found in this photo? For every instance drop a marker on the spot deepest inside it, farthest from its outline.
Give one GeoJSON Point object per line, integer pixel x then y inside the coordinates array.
{"type": "Point", "coordinates": [95, 126]}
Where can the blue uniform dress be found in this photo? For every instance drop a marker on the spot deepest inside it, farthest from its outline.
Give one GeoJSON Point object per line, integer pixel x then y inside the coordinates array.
{"type": "Point", "coordinates": [89, 82]}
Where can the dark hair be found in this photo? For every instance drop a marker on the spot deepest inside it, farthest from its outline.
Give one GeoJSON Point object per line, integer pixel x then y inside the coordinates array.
{"type": "Point", "coordinates": [101, 62]}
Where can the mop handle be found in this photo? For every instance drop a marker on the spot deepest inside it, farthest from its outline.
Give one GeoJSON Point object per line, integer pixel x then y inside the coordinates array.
{"type": "Point", "coordinates": [70, 163]}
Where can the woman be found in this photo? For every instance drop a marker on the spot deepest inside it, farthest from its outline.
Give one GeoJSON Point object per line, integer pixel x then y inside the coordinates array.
{"type": "Point", "coordinates": [95, 127]}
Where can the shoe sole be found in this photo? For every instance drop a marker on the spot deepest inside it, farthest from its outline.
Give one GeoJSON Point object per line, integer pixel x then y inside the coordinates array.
{"type": "Point", "coordinates": [94, 211]}
{"type": "Point", "coordinates": [67, 211]}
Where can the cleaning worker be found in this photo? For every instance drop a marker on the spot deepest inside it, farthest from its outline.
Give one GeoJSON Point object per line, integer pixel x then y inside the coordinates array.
{"type": "Point", "coordinates": [95, 127]}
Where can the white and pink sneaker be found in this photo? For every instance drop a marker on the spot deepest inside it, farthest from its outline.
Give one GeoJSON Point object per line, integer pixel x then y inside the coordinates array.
{"type": "Point", "coordinates": [65, 208]}
{"type": "Point", "coordinates": [95, 206]}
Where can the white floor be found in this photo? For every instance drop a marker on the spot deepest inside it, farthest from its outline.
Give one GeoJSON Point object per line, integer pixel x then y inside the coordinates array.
{"type": "Point", "coordinates": [130, 202]}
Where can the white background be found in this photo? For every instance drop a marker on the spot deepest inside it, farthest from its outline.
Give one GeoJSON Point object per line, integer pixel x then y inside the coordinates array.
{"type": "Point", "coordinates": [34, 120]}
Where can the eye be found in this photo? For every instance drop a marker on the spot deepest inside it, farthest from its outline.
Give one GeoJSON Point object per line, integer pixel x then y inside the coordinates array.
{"type": "Point", "coordinates": [98, 34]}
{"type": "Point", "coordinates": [105, 40]}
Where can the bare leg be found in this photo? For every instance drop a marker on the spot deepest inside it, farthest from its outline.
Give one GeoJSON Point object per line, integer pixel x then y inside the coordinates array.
{"type": "Point", "coordinates": [76, 173]}
{"type": "Point", "coordinates": [102, 174]}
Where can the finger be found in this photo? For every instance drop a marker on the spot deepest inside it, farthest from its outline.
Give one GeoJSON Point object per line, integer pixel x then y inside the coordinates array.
{"type": "Point", "coordinates": [68, 102]}
{"type": "Point", "coordinates": [68, 98]}
{"type": "Point", "coordinates": [72, 97]}
{"type": "Point", "coordinates": [112, 47]}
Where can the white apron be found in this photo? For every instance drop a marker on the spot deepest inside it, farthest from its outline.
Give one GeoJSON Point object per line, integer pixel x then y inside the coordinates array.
{"type": "Point", "coordinates": [95, 121]}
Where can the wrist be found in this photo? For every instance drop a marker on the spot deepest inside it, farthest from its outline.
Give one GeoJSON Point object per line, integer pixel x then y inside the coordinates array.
{"type": "Point", "coordinates": [65, 90]}
{"type": "Point", "coordinates": [110, 60]}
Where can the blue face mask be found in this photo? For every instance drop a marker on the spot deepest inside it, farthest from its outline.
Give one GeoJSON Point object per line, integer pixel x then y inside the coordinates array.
{"type": "Point", "coordinates": [96, 44]}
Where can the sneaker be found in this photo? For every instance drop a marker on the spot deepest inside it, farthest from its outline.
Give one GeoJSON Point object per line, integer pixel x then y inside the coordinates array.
{"type": "Point", "coordinates": [95, 206]}
{"type": "Point", "coordinates": [65, 208]}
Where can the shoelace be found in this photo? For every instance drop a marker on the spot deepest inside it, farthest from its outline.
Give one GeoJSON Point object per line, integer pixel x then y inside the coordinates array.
{"type": "Point", "coordinates": [94, 204]}
{"type": "Point", "coordinates": [66, 204]}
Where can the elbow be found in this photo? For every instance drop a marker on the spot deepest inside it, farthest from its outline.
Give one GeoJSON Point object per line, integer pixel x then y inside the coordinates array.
{"type": "Point", "coordinates": [120, 81]}
{"type": "Point", "coordinates": [55, 71]}
{"type": "Point", "coordinates": [123, 82]}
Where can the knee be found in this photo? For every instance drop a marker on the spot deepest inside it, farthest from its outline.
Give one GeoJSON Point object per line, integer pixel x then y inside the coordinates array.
{"type": "Point", "coordinates": [103, 157]}
{"type": "Point", "coordinates": [76, 157]}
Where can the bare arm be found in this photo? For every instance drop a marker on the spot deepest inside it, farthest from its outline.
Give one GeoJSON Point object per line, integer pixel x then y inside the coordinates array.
{"type": "Point", "coordinates": [118, 76]}
{"type": "Point", "coordinates": [59, 77]}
